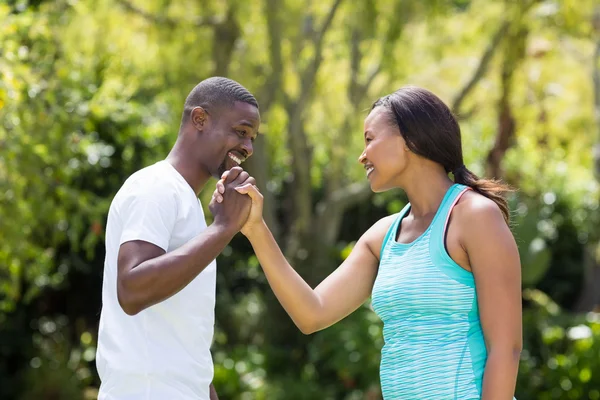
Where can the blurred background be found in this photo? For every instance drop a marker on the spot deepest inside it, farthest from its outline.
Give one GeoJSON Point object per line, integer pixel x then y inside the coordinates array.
{"type": "Point", "coordinates": [92, 90]}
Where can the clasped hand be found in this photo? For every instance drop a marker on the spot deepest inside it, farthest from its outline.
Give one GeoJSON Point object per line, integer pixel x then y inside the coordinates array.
{"type": "Point", "coordinates": [244, 204]}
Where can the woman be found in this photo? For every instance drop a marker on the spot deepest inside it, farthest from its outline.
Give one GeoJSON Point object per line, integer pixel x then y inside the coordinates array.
{"type": "Point", "coordinates": [443, 274]}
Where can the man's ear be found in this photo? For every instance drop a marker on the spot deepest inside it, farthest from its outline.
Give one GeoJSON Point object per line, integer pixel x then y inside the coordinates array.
{"type": "Point", "coordinates": [198, 117]}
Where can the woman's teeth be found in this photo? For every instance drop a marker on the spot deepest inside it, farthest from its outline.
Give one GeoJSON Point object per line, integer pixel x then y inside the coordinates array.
{"type": "Point", "coordinates": [369, 170]}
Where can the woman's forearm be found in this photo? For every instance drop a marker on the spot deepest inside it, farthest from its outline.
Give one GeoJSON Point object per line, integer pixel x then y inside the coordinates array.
{"type": "Point", "coordinates": [500, 375]}
{"type": "Point", "coordinates": [298, 299]}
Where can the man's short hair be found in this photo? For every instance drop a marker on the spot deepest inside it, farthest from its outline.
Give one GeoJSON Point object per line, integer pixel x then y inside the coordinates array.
{"type": "Point", "coordinates": [215, 92]}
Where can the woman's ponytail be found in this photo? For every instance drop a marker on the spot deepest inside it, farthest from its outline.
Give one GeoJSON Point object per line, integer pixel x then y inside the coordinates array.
{"type": "Point", "coordinates": [430, 130]}
{"type": "Point", "coordinates": [494, 190]}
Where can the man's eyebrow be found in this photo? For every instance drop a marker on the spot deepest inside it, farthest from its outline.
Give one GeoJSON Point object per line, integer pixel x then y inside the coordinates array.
{"type": "Point", "coordinates": [246, 123]}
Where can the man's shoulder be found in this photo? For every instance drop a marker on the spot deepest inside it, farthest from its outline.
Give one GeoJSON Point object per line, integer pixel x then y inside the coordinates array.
{"type": "Point", "coordinates": [147, 183]}
{"type": "Point", "coordinates": [152, 178]}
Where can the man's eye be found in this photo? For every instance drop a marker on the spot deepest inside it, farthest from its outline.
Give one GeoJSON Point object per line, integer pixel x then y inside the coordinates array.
{"type": "Point", "coordinates": [242, 133]}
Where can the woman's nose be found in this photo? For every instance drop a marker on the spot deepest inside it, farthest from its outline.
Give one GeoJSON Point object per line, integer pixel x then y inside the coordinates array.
{"type": "Point", "coordinates": [362, 157]}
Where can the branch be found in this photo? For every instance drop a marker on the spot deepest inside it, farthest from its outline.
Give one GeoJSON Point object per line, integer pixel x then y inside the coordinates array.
{"type": "Point", "coordinates": [481, 69]}
{"type": "Point", "coordinates": [374, 72]}
{"type": "Point", "coordinates": [224, 37]}
{"type": "Point", "coordinates": [331, 210]}
{"type": "Point", "coordinates": [514, 53]}
{"type": "Point", "coordinates": [488, 54]}
{"type": "Point", "coordinates": [327, 23]}
{"type": "Point", "coordinates": [355, 58]}
{"type": "Point", "coordinates": [274, 29]}
{"type": "Point", "coordinates": [299, 146]}
{"type": "Point", "coordinates": [162, 20]}
{"type": "Point", "coordinates": [357, 90]}
{"type": "Point", "coordinates": [348, 196]}
{"type": "Point", "coordinates": [596, 80]}
{"type": "Point", "coordinates": [308, 75]}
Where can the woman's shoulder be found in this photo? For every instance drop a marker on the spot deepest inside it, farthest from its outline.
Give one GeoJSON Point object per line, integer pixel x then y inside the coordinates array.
{"type": "Point", "coordinates": [475, 212]}
{"type": "Point", "coordinates": [375, 235]}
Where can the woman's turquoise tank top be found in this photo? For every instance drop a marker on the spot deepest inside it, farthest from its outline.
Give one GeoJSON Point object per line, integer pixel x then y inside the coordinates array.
{"type": "Point", "coordinates": [434, 345]}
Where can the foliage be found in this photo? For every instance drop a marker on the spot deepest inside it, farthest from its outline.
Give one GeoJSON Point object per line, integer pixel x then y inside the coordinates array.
{"type": "Point", "coordinates": [560, 357]}
{"type": "Point", "coordinates": [91, 91]}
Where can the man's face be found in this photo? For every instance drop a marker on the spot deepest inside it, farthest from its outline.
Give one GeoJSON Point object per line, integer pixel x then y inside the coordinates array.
{"type": "Point", "coordinates": [231, 134]}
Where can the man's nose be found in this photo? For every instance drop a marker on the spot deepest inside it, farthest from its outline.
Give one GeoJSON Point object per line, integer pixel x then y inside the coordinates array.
{"type": "Point", "coordinates": [248, 148]}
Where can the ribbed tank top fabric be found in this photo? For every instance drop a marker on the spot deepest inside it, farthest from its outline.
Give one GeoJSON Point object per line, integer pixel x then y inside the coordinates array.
{"type": "Point", "coordinates": [434, 345]}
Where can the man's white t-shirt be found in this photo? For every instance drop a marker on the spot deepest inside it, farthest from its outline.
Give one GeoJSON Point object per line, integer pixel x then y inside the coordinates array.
{"type": "Point", "coordinates": [163, 352]}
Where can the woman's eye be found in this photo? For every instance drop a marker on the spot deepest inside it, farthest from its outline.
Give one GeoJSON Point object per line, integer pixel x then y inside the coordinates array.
{"type": "Point", "coordinates": [241, 133]}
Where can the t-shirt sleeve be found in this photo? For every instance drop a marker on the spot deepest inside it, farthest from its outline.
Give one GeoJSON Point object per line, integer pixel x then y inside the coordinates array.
{"type": "Point", "coordinates": [149, 216]}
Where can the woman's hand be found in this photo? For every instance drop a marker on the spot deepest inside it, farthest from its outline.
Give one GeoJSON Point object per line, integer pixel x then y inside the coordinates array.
{"type": "Point", "coordinates": [248, 187]}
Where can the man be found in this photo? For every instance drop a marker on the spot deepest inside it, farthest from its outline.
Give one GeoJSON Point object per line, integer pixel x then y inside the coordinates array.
{"type": "Point", "coordinates": [158, 293]}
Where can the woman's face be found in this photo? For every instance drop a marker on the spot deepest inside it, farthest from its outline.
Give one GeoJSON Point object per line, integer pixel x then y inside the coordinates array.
{"type": "Point", "coordinates": [385, 156]}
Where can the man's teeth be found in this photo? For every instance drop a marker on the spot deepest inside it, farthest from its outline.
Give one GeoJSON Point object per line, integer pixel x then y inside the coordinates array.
{"type": "Point", "coordinates": [369, 170]}
{"type": "Point", "coordinates": [234, 158]}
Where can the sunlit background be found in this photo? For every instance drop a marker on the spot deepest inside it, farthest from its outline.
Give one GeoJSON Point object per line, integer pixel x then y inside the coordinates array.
{"type": "Point", "coordinates": [92, 90]}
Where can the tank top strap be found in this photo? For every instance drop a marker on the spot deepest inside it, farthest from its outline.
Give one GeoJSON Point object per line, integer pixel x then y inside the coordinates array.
{"type": "Point", "coordinates": [440, 224]}
{"type": "Point", "coordinates": [391, 233]}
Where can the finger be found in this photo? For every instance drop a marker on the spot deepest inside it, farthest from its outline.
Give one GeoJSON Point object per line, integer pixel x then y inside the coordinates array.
{"type": "Point", "coordinates": [233, 173]}
{"type": "Point", "coordinates": [250, 180]}
{"type": "Point", "coordinates": [224, 175]}
{"type": "Point", "coordinates": [217, 197]}
{"type": "Point", "coordinates": [251, 191]}
{"type": "Point", "coordinates": [241, 178]}
{"type": "Point", "coordinates": [221, 186]}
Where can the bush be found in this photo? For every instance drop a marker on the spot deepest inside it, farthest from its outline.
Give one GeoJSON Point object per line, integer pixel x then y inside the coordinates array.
{"type": "Point", "coordinates": [560, 356]}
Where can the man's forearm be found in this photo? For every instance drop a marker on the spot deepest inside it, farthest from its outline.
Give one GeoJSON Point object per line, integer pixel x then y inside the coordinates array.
{"type": "Point", "coordinates": [159, 278]}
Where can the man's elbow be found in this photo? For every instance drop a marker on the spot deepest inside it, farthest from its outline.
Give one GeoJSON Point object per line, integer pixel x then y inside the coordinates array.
{"type": "Point", "coordinates": [127, 303]}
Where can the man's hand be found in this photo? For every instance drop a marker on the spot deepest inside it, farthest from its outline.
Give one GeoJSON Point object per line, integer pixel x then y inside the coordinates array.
{"type": "Point", "coordinates": [247, 187]}
{"type": "Point", "coordinates": [233, 213]}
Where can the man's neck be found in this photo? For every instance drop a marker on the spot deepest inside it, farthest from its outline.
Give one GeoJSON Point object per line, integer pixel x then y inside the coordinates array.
{"type": "Point", "coordinates": [190, 171]}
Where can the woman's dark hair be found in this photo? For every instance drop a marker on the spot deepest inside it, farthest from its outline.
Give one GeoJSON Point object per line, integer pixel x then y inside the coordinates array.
{"type": "Point", "coordinates": [431, 131]}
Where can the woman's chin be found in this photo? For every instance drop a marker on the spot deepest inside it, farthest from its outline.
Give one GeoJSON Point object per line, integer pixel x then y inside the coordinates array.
{"type": "Point", "coordinates": [378, 187]}
{"type": "Point", "coordinates": [374, 187]}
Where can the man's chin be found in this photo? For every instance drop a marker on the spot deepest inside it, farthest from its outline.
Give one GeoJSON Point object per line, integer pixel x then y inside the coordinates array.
{"type": "Point", "coordinates": [219, 172]}
{"type": "Point", "coordinates": [225, 166]}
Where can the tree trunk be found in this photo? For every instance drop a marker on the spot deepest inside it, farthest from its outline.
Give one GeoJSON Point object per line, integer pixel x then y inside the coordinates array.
{"type": "Point", "coordinates": [590, 294]}
{"type": "Point", "coordinates": [514, 52]}
{"type": "Point", "coordinates": [224, 37]}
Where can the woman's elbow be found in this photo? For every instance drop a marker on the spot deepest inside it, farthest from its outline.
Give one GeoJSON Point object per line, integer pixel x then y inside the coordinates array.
{"type": "Point", "coordinates": [308, 326]}
{"type": "Point", "coordinates": [512, 351]}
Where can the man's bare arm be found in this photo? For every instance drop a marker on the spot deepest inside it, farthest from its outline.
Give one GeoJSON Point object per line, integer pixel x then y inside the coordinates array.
{"type": "Point", "coordinates": [147, 275]}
